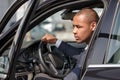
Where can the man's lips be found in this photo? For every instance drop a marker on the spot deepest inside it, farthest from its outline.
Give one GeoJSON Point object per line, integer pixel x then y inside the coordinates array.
{"type": "Point", "coordinates": [76, 37]}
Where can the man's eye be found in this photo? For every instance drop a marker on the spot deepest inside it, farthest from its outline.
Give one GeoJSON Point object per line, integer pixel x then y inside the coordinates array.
{"type": "Point", "coordinates": [74, 26]}
{"type": "Point", "coordinates": [78, 26]}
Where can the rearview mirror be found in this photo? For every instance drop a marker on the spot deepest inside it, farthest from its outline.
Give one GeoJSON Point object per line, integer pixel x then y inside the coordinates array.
{"type": "Point", "coordinates": [68, 15]}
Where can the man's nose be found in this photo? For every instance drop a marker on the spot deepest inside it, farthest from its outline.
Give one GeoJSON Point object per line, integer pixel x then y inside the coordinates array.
{"type": "Point", "coordinates": [74, 30]}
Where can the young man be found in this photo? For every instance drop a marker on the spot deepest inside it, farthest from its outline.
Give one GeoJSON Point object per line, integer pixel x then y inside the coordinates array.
{"type": "Point", "coordinates": [84, 24]}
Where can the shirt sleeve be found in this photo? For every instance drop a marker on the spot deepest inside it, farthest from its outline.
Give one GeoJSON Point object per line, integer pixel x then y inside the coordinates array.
{"type": "Point", "coordinates": [58, 42]}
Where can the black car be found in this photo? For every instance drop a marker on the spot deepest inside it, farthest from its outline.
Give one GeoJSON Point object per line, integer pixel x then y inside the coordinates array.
{"type": "Point", "coordinates": [23, 56]}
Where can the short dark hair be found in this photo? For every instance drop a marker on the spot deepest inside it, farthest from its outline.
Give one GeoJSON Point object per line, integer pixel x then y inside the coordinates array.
{"type": "Point", "coordinates": [90, 13]}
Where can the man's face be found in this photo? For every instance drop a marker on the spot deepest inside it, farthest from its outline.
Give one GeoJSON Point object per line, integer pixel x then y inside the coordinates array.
{"type": "Point", "coordinates": [82, 29]}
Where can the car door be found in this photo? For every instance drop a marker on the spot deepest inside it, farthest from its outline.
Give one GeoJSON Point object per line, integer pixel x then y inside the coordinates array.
{"type": "Point", "coordinates": [103, 58]}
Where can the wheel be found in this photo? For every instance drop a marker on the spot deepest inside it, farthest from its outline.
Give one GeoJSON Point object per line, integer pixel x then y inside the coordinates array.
{"type": "Point", "coordinates": [47, 61]}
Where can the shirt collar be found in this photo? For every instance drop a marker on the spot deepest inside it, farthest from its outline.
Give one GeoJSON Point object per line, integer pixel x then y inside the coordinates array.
{"type": "Point", "coordinates": [86, 47]}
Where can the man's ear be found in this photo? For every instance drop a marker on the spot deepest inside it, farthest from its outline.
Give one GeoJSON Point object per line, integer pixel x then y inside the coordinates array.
{"type": "Point", "coordinates": [93, 26]}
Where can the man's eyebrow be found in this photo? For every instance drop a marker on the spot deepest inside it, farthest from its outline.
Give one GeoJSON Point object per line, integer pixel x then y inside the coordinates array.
{"type": "Point", "coordinates": [74, 25]}
{"type": "Point", "coordinates": [77, 26]}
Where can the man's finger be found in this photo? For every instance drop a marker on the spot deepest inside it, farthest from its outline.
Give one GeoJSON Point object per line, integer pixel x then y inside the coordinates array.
{"type": "Point", "coordinates": [44, 39]}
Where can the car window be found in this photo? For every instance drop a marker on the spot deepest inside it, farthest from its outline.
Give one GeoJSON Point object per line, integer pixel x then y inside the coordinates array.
{"type": "Point", "coordinates": [17, 16]}
{"type": "Point", "coordinates": [54, 25]}
{"type": "Point", "coordinates": [114, 46]}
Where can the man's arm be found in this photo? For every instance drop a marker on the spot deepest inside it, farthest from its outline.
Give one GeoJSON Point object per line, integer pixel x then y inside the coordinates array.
{"type": "Point", "coordinates": [69, 50]}
{"type": "Point", "coordinates": [64, 47]}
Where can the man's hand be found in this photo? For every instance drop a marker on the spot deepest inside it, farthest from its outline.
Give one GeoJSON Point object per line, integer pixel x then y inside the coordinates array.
{"type": "Point", "coordinates": [49, 39]}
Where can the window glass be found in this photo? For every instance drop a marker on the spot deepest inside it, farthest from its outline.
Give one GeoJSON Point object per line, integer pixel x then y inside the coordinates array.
{"type": "Point", "coordinates": [17, 16]}
{"type": "Point", "coordinates": [114, 47]}
{"type": "Point", "coordinates": [55, 25]}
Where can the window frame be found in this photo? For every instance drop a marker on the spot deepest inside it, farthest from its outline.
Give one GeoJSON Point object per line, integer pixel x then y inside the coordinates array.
{"type": "Point", "coordinates": [112, 29]}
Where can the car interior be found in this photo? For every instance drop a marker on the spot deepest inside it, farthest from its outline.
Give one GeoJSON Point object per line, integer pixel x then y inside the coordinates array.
{"type": "Point", "coordinates": [36, 57]}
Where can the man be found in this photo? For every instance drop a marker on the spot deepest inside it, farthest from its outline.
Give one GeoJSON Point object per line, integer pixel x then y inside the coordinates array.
{"type": "Point", "coordinates": [84, 24]}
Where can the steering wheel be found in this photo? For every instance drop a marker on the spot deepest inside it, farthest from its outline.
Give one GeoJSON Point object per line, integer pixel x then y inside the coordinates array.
{"type": "Point", "coordinates": [48, 62]}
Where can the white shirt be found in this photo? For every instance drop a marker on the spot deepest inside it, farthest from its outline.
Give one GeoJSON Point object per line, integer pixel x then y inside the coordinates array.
{"type": "Point", "coordinates": [58, 42]}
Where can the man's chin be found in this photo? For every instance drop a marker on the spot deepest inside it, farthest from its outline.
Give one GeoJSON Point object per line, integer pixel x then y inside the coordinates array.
{"type": "Point", "coordinates": [78, 41]}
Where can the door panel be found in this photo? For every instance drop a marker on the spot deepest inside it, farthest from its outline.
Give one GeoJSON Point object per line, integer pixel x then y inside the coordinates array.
{"type": "Point", "coordinates": [102, 72]}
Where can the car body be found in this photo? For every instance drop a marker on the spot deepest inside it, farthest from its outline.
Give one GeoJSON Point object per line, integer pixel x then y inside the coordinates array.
{"type": "Point", "coordinates": [21, 46]}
